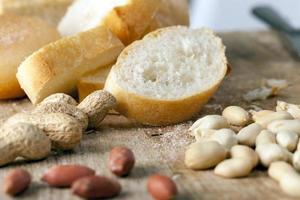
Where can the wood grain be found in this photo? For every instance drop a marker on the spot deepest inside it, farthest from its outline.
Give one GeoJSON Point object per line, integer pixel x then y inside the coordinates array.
{"type": "Point", "coordinates": [253, 57]}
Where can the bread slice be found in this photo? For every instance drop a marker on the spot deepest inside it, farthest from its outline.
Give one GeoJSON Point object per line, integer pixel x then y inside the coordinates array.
{"type": "Point", "coordinates": [128, 19]}
{"type": "Point", "coordinates": [92, 81]}
{"type": "Point", "coordinates": [19, 37]}
{"type": "Point", "coordinates": [168, 76]}
{"type": "Point", "coordinates": [49, 10]}
{"type": "Point", "coordinates": [58, 66]}
{"type": "Point", "coordinates": [170, 13]}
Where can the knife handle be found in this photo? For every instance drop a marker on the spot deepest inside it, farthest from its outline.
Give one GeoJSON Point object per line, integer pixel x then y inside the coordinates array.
{"type": "Point", "coordinates": [272, 18]}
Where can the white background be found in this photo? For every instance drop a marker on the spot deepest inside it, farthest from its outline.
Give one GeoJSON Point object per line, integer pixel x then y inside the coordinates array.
{"type": "Point", "coordinates": [233, 15]}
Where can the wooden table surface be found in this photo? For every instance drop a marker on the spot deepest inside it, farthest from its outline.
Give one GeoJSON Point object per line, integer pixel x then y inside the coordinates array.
{"type": "Point", "coordinates": [254, 57]}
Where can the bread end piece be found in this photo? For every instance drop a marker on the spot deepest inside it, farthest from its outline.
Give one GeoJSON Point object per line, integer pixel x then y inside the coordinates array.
{"type": "Point", "coordinates": [130, 21]}
{"type": "Point", "coordinates": [58, 66]}
{"type": "Point", "coordinates": [19, 37]}
{"type": "Point", "coordinates": [156, 98]}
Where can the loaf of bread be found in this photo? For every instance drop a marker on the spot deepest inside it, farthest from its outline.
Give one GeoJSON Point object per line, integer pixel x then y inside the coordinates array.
{"type": "Point", "coordinates": [49, 10]}
{"type": "Point", "coordinates": [126, 19]}
{"type": "Point", "coordinates": [58, 66]}
{"type": "Point", "coordinates": [171, 12]}
{"type": "Point", "coordinates": [19, 37]}
{"type": "Point", "coordinates": [92, 81]}
{"type": "Point", "coordinates": [168, 76]}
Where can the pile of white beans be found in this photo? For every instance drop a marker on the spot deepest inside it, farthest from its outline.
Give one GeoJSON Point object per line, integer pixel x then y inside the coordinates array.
{"type": "Point", "coordinates": [266, 137]}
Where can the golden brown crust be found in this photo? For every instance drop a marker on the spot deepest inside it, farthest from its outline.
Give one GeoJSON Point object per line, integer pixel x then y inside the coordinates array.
{"type": "Point", "coordinates": [129, 22]}
{"type": "Point", "coordinates": [171, 12]}
{"type": "Point", "coordinates": [11, 89]}
{"type": "Point", "coordinates": [157, 112]}
{"type": "Point", "coordinates": [19, 37]}
{"type": "Point", "coordinates": [58, 66]}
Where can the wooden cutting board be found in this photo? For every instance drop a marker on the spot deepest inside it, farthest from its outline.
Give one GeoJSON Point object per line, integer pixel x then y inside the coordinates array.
{"type": "Point", "coordinates": [254, 57]}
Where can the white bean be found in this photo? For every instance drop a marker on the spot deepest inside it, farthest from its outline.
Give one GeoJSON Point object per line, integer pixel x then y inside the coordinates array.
{"type": "Point", "coordinates": [268, 118]}
{"type": "Point", "coordinates": [243, 160]}
{"type": "Point", "coordinates": [247, 135]}
{"type": "Point", "coordinates": [226, 137]}
{"type": "Point", "coordinates": [236, 115]}
{"type": "Point", "coordinates": [269, 153]}
{"type": "Point", "coordinates": [234, 168]}
{"type": "Point", "coordinates": [279, 169]}
{"type": "Point", "coordinates": [242, 151]}
{"type": "Point", "coordinates": [287, 139]}
{"type": "Point", "coordinates": [258, 115]}
{"type": "Point", "coordinates": [293, 109]}
{"type": "Point", "coordinates": [209, 122]}
{"type": "Point", "coordinates": [292, 125]}
{"type": "Point", "coordinates": [288, 178]}
{"type": "Point", "coordinates": [290, 184]}
{"type": "Point", "coordinates": [265, 137]}
{"type": "Point", "coordinates": [296, 160]}
{"type": "Point", "coordinates": [204, 155]}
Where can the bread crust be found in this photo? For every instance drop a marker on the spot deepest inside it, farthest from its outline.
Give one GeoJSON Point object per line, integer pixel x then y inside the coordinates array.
{"type": "Point", "coordinates": [49, 10]}
{"type": "Point", "coordinates": [92, 81]}
{"type": "Point", "coordinates": [158, 112]}
{"type": "Point", "coordinates": [171, 12]}
{"type": "Point", "coordinates": [58, 66]}
{"type": "Point", "coordinates": [130, 21]}
{"type": "Point", "coordinates": [19, 37]}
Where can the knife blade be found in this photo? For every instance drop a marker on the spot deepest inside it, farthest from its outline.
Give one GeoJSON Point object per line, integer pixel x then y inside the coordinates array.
{"type": "Point", "coordinates": [286, 31]}
{"type": "Point", "coordinates": [293, 40]}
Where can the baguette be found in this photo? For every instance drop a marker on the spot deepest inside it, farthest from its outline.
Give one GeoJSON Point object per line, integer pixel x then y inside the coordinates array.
{"type": "Point", "coordinates": [58, 66]}
{"type": "Point", "coordinates": [168, 76]}
{"type": "Point", "coordinates": [171, 12]}
{"type": "Point", "coordinates": [49, 10]}
{"type": "Point", "coordinates": [92, 81]}
{"type": "Point", "coordinates": [19, 37]}
{"type": "Point", "coordinates": [128, 19]}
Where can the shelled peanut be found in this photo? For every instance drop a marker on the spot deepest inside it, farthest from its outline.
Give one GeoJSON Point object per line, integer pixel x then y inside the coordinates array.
{"type": "Point", "coordinates": [16, 181]}
{"type": "Point", "coordinates": [84, 182]}
{"type": "Point", "coordinates": [263, 137]}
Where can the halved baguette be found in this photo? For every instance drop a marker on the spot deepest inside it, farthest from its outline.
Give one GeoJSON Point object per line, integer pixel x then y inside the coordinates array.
{"type": "Point", "coordinates": [58, 66]}
{"type": "Point", "coordinates": [171, 12]}
{"type": "Point", "coordinates": [19, 37]}
{"type": "Point", "coordinates": [92, 81]}
{"type": "Point", "coordinates": [168, 76]}
{"type": "Point", "coordinates": [128, 19]}
{"type": "Point", "coordinates": [49, 10]}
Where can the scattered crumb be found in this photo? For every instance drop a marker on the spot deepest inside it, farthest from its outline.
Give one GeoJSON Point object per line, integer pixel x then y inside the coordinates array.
{"type": "Point", "coordinates": [270, 88]}
{"type": "Point", "coordinates": [261, 93]}
{"type": "Point", "coordinates": [277, 83]}
{"type": "Point", "coordinates": [173, 143]}
{"type": "Point", "coordinates": [176, 176]}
